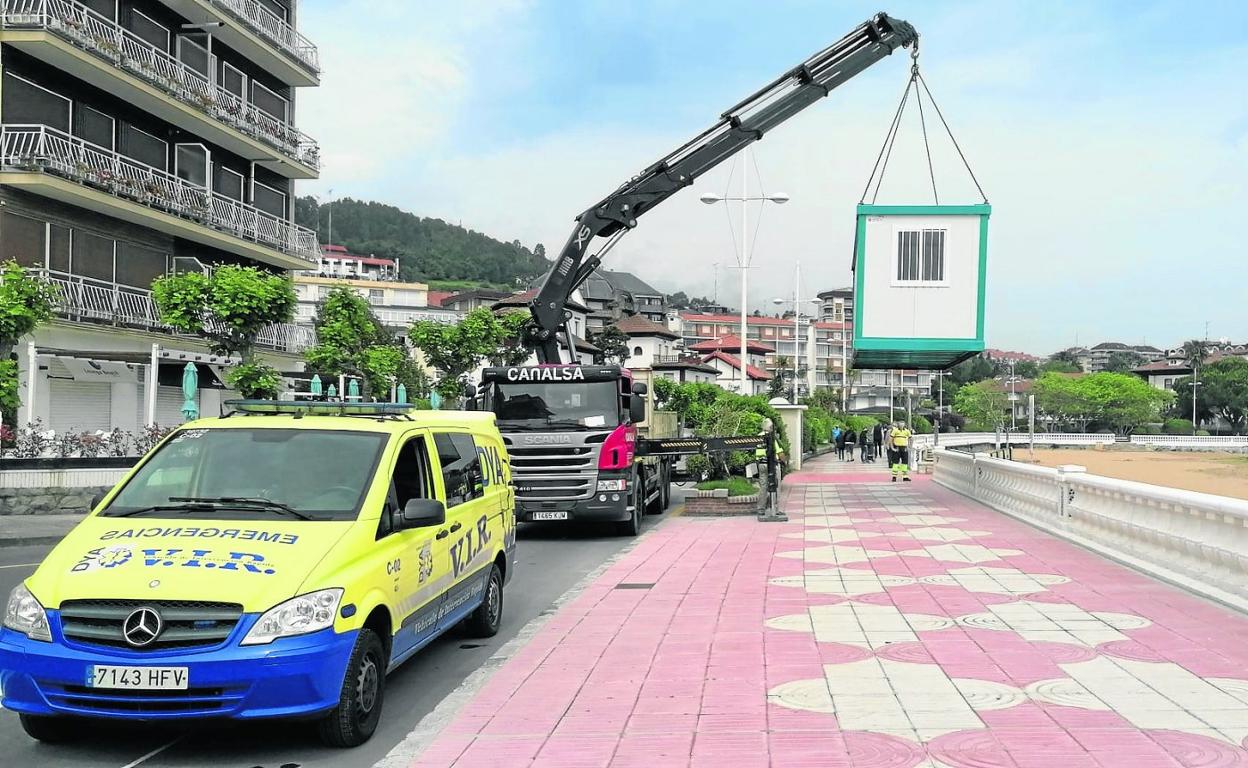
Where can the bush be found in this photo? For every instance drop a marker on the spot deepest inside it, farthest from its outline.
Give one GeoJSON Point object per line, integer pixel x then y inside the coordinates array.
{"type": "Point", "coordinates": [1202, 433]}
{"type": "Point", "coordinates": [922, 426]}
{"type": "Point", "coordinates": [1149, 429]}
{"type": "Point", "coordinates": [1177, 427]}
{"type": "Point", "coordinates": [737, 486]}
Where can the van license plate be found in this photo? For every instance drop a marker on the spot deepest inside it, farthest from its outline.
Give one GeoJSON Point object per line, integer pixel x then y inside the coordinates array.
{"type": "Point", "coordinates": [140, 678]}
{"type": "Point", "coordinates": [550, 515]}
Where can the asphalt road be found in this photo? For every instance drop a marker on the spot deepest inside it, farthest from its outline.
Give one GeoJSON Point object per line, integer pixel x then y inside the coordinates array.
{"type": "Point", "coordinates": [553, 558]}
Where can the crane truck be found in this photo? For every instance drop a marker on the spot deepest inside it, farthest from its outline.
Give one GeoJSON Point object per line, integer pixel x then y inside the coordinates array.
{"type": "Point", "coordinates": [572, 430]}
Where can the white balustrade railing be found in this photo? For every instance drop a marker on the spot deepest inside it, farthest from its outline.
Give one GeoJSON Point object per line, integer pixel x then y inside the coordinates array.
{"type": "Point", "coordinates": [1192, 441]}
{"type": "Point", "coordinates": [274, 28]}
{"type": "Point", "coordinates": [122, 48]}
{"type": "Point", "coordinates": [81, 298]}
{"type": "Point", "coordinates": [1197, 540]}
{"type": "Point", "coordinates": [40, 148]}
{"type": "Point", "coordinates": [962, 439]}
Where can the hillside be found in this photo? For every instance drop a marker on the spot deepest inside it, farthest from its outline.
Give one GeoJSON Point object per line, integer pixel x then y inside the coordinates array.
{"type": "Point", "coordinates": [426, 249]}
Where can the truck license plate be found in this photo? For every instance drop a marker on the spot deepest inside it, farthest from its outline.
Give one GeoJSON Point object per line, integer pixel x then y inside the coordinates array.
{"type": "Point", "coordinates": [140, 678]}
{"type": "Point", "coordinates": [550, 515]}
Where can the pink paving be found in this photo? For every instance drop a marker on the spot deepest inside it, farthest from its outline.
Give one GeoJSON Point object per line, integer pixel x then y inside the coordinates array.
{"type": "Point", "coordinates": [885, 626]}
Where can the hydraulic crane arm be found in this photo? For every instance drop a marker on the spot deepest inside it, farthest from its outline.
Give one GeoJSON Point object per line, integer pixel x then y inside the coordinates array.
{"type": "Point", "coordinates": [741, 125]}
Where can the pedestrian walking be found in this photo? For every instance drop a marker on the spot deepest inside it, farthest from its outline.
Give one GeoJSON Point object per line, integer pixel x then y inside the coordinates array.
{"type": "Point", "coordinates": [877, 438]}
{"type": "Point", "coordinates": [864, 440]}
{"type": "Point", "coordinates": [851, 442]}
{"type": "Point", "coordinates": [899, 438]}
{"type": "Point", "coordinates": [838, 438]}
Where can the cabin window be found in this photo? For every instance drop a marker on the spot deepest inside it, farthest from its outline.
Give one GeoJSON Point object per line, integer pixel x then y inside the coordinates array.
{"type": "Point", "coordinates": [921, 256]}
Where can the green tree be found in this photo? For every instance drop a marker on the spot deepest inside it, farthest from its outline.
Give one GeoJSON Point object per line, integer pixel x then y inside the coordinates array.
{"type": "Point", "coordinates": [1223, 391]}
{"type": "Point", "coordinates": [1122, 401]}
{"type": "Point", "coordinates": [977, 368]}
{"type": "Point", "coordinates": [512, 347]}
{"type": "Point", "coordinates": [1059, 366]}
{"type": "Point", "coordinates": [1061, 401]}
{"type": "Point", "coordinates": [352, 342]}
{"type": "Point", "coordinates": [614, 345]}
{"type": "Point", "coordinates": [1068, 356]}
{"type": "Point", "coordinates": [454, 350]}
{"type": "Point", "coordinates": [229, 309]}
{"type": "Point", "coordinates": [26, 302]}
{"type": "Point", "coordinates": [983, 404]}
{"type": "Point", "coordinates": [1123, 361]}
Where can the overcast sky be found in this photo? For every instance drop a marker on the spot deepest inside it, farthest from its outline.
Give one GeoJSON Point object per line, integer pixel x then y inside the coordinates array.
{"type": "Point", "coordinates": [1110, 138]}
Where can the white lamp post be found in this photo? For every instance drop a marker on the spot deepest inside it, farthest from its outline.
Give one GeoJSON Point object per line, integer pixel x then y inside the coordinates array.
{"type": "Point", "coordinates": [797, 321]}
{"type": "Point", "coordinates": [743, 258]}
{"type": "Point", "coordinates": [940, 402]}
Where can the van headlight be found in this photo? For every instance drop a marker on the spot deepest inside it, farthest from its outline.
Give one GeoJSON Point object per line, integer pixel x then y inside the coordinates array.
{"type": "Point", "coordinates": [24, 614]}
{"type": "Point", "coordinates": [297, 616]}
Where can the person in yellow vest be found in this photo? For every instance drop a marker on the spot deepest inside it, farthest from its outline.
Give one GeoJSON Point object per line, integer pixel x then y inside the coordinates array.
{"type": "Point", "coordinates": [899, 440]}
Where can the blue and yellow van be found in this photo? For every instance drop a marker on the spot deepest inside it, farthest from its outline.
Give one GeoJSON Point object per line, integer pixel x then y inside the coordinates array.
{"type": "Point", "coordinates": [276, 562]}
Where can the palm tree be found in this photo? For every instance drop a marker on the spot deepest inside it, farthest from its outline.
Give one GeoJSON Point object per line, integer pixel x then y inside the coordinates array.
{"type": "Point", "coordinates": [1193, 357]}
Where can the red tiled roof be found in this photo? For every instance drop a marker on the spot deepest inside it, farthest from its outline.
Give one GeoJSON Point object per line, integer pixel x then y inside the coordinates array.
{"type": "Point", "coordinates": [1161, 366]}
{"type": "Point", "coordinates": [636, 325]}
{"type": "Point", "coordinates": [736, 319]}
{"type": "Point", "coordinates": [757, 374]}
{"type": "Point", "coordinates": [437, 297]}
{"type": "Point", "coordinates": [733, 343]}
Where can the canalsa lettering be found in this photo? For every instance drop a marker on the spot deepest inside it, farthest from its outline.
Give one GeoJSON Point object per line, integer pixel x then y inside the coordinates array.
{"type": "Point", "coordinates": [545, 374]}
{"type": "Point", "coordinates": [469, 546]}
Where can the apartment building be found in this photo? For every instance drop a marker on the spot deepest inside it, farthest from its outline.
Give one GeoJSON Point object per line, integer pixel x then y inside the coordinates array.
{"type": "Point", "coordinates": [612, 296]}
{"type": "Point", "coordinates": [141, 138]}
{"type": "Point", "coordinates": [337, 261]}
{"type": "Point", "coordinates": [396, 305]}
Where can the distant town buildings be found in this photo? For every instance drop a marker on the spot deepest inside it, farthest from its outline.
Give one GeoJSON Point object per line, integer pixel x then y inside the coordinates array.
{"type": "Point", "coordinates": [337, 261]}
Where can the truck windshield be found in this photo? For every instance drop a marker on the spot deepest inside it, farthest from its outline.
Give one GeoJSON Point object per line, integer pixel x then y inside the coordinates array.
{"type": "Point", "coordinates": [298, 474]}
{"type": "Point", "coordinates": [579, 405]}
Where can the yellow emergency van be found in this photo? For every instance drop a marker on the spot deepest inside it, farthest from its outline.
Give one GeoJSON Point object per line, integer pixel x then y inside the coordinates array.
{"type": "Point", "coordinates": [276, 562]}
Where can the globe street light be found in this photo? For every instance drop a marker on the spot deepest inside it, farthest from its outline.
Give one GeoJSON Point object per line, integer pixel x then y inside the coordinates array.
{"type": "Point", "coordinates": [743, 258]}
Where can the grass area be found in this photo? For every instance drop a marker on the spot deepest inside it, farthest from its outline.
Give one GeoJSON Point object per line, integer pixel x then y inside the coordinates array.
{"type": "Point", "coordinates": [465, 285]}
{"type": "Point", "coordinates": [737, 486]}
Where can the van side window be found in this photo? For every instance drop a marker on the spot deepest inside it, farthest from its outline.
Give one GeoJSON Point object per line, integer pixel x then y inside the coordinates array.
{"type": "Point", "coordinates": [411, 473]}
{"type": "Point", "coordinates": [461, 469]}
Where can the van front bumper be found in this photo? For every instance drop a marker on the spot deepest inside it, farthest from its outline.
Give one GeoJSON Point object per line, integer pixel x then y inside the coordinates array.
{"type": "Point", "coordinates": [291, 677]}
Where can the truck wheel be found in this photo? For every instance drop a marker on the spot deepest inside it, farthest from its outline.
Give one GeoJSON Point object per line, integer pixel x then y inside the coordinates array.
{"type": "Point", "coordinates": [50, 729]}
{"type": "Point", "coordinates": [485, 621]}
{"type": "Point", "coordinates": [654, 507]}
{"type": "Point", "coordinates": [665, 486]}
{"type": "Point", "coordinates": [632, 526]}
{"type": "Point", "coordinates": [353, 721]}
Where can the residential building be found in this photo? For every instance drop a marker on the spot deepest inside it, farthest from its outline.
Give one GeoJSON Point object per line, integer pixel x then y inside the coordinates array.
{"type": "Point", "coordinates": [837, 305]}
{"type": "Point", "coordinates": [612, 296]}
{"type": "Point", "coordinates": [337, 261]}
{"type": "Point", "coordinates": [1008, 356]}
{"type": "Point", "coordinates": [1099, 355]}
{"type": "Point", "coordinates": [141, 138]}
{"type": "Point", "coordinates": [656, 348]}
{"type": "Point", "coordinates": [757, 353]}
{"type": "Point", "coordinates": [728, 368]}
{"type": "Point", "coordinates": [586, 351]}
{"type": "Point", "coordinates": [396, 305]}
{"type": "Point", "coordinates": [466, 301]}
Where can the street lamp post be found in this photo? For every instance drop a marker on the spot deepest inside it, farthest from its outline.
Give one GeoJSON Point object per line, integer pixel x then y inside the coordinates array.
{"type": "Point", "coordinates": [1013, 399]}
{"type": "Point", "coordinates": [940, 402]}
{"type": "Point", "coordinates": [1195, 416]}
{"type": "Point", "coordinates": [797, 322]}
{"type": "Point", "coordinates": [743, 259]}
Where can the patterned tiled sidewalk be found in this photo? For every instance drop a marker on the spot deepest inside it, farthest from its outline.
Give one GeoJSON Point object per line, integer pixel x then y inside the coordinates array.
{"type": "Point", "coordinates": [888, 625]}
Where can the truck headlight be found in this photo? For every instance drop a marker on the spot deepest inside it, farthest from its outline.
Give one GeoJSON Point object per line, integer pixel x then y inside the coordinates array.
{"type": "Point", "coordinates": [24, 614]}
{"type": "Point", "coordinates": [612, 485]}
{"type": "Point", "coordinates": [297, 616]}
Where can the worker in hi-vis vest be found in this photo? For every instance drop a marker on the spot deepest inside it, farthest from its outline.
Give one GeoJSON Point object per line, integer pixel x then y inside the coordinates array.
{"type": "Point", "coordinates": [899, 440]}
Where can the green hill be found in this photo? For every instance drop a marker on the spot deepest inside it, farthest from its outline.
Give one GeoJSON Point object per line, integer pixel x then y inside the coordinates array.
{"type": "Point", "coordinates": [426, 249]}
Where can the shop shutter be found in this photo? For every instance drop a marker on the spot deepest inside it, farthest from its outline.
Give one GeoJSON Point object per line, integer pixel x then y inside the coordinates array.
{"type": "Point", "coordinates": [80, 406]}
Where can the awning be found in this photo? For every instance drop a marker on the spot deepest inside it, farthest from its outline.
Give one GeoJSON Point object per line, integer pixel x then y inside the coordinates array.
{"type": "Point", "coordinates": [104, 371]}
{"type": "Point", "coordinates": [924, 359]}
{"type": "Point", "coordinates": [170, 372]}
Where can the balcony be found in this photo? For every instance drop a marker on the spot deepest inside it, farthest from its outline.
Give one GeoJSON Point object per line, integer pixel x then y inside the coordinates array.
{"type": "Point", "coordinates": [51, 163]}
{"type": "Point", "coordinates": [75, 39]}
{"type": "Point", "coordinates": [259, 34]}
{"type": "Point", "coordinates": [85, 300]}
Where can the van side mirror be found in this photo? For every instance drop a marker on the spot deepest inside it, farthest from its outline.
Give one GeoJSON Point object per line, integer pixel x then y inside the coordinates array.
{"type": "Point", "coordinates": [422, 513]}
{"type": "Point", "coordinates": [636, 409]}
{"type": "Point", "coordinates": [97, 500]}
{"type": "Point", "coordinates": [641, 388]}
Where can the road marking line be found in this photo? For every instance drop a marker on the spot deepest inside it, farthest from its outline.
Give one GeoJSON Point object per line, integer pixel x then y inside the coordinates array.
{"type": "Point", "coordinates": [151, 754]}
{"type": "Point", "coordinates": [19, 565]}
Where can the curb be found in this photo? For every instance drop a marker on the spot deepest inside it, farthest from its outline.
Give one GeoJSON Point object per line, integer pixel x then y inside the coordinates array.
{"type": "Point", "coordinates": [429, 727]}
{"type": "Point", "coordinates": [31, 541]}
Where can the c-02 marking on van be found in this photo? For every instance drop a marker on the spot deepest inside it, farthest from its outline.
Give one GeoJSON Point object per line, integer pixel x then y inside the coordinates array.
{"type": "Point", "coordinates": [274, 626]}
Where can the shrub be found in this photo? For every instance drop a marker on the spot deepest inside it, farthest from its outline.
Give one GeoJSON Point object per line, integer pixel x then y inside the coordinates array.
{"type": "Point", "coordinates": [1177, 427]}
{"type": "Point", "coordinates": [1149, 429]}
{"type": "Point", "coordinates": [737, 486]}
{"type": "Point", "coordinates": [922, 426]}
{"type": "Point", "coordinates": [1202, 433]}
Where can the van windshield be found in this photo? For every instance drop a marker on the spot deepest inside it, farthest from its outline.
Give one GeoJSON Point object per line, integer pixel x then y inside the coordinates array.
{"type": "Point", "coordinates": [248, 473]}
{"type": "Point", "coordinates": [536, 405]}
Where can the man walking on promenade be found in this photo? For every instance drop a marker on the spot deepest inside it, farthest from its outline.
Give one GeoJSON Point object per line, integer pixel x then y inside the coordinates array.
{"type": "Point", "coordinates": [851, 441]}
{"type": "Point", "coordinates": [899, 441]}
{"type": "Point", "coordinates": [838, 437]}
{"type": "Point", "coordinates": [877, 435]}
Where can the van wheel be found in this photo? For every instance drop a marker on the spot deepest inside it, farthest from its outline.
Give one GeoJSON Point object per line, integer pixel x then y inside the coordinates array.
{"type": "Point", "coordinates": [632, 526]}
{"type": "Point", "coordinates": [353, 721]}
{"type": "Point", "coordinates": [485, 621]}
{"type": "Point", "coordinates": [50, 729]}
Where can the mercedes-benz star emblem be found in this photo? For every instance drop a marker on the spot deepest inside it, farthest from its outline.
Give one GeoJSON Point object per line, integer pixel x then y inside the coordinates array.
{"type": "Point", "coordinates": [141, 627]}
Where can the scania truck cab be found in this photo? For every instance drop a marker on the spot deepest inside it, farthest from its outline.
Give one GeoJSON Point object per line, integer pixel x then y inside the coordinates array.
{"type": "Point", "coordinates": [571, 431]}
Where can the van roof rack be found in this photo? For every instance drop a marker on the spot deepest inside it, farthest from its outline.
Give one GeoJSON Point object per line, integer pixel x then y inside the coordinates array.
{"type": "Point", "coordinates": [300, 409]}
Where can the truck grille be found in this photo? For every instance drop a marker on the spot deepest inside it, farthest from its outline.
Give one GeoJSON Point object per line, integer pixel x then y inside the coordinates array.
{"type": "Point", "coordinates": [185, 623]}
{"type": "Point", "coordinates": [193, 701]}
{"type": "Point", "coordinates": [547, 459]}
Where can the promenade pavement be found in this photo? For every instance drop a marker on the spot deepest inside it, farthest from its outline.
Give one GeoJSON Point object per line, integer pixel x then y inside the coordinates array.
{"type": "Point", "coordinates": [887, 625]}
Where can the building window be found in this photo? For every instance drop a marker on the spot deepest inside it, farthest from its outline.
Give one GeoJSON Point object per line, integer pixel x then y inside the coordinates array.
{"type": "Point", "coordinates": [93, 256]}
{"type": "Point", "coordinates": [191, 163]}
{"type": "Point", "coordinates": [149, 30]}
{"type": "Point", "coordinates": [268, 199]}
{"type": "Point", "coordinates": [138, 266]}
{"type": "Point", "coordinates": [22, 240]}
{"type": "Point", "coordinates": [230, 183]}
{"type": "Point", "coordinates": [140, 145]}
{"type": "Point", "coordinates": [769, 332]}
{"type": "Point", "coordinates": [270, 102]}
{"type": "Point", "coordinates": [194, 54]}
{"type": "Point", "coordinates": [94, 126]}
{"type": "Point", "coordinates": [106, 8]}
{"type": "Point", "coordinates": [637, 351]}
{"type": "Point", "coordinates": [25, 103]}
{"type": "Point", "coordinates": [233, 80]}
{"type": "Point", "coordinates": [376, 296]}
{"type": "Point", "coordinates": [921, 256]}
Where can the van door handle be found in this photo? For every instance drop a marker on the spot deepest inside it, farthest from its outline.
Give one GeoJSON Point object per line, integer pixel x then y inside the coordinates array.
{"type": "Point", "coordinates": [456, 527]}
{"type": "Point", "coordinates": [442, 534]}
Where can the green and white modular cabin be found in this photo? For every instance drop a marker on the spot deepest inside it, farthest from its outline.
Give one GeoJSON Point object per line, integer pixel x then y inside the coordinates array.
{"type": "Point", "coordinates": [919, 278]}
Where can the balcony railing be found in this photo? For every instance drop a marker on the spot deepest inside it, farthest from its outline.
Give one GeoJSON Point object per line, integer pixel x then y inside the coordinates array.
{"type": "Point", "coordinates": [120, 47]}
{"type": "Point", "coordinates": [40, 148]}
{"type": "Point", "coordinates": [273, 28]}
{"type": "Point", "coordinates": [98, 301]}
